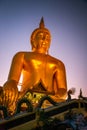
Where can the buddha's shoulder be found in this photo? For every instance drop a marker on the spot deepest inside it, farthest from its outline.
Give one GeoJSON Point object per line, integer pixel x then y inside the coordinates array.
{"type": "Point", "coordinates": [22, 53]}
{"type": "Point", "coordinates": [56, 61]}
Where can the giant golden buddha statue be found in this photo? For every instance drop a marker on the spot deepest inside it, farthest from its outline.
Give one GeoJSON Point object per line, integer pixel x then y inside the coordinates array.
{"type": "Point", "coordinates": [41, 72]}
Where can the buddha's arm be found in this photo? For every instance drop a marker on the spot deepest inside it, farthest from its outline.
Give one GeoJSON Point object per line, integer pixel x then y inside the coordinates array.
{"type": "Point", "coordinates": [10, 89]}
{"type": "Point", "coordinates": [14, 74]}
{"type": "Point", "coordinates": [16, 67]}
{"type": "Point", "coordinates": [60, 76]}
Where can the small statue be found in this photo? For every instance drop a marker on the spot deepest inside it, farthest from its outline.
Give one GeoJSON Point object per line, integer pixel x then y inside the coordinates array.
{"type": "Point", "coordinates": [69, 93]}
{"type": "Point", "coordinates": [80, 95]}
{"type": "Point", "coordinates": [42, 73]}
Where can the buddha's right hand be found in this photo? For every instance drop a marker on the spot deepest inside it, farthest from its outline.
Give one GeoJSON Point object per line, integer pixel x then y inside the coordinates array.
{"type": "Point", "coordinates": [10, 95]}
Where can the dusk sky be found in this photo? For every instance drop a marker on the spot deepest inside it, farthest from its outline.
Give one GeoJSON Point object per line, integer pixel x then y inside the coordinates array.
{"type": "Point", "coordinates": [67, 22]}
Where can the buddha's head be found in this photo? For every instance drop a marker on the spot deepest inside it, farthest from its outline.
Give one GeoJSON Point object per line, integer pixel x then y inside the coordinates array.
{"type": "Point", "coordinates": [41, 38]}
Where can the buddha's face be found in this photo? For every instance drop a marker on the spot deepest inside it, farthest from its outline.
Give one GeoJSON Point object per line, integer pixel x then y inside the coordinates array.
{"type": "Point", "coordinates": [42, 42]}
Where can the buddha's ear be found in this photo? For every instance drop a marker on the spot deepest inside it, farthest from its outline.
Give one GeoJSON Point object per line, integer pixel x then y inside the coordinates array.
{"type": "Point", "coordinates": [34, 45]}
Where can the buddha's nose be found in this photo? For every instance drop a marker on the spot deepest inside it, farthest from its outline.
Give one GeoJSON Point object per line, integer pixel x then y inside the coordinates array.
{"type": "Point", "coordinates": [44, 38]}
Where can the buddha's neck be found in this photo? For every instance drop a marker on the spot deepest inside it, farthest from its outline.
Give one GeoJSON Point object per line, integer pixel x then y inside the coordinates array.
{"type": "Point", "coordinates": [40, 51]}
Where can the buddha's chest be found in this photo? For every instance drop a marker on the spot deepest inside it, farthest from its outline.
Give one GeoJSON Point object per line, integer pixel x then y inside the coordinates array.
{"type": "Point", "coordinates": [38, 64]}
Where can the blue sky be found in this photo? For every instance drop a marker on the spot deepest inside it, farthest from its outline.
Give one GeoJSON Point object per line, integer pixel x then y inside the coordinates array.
{"type": "Point", "coordinates": [67, 22]}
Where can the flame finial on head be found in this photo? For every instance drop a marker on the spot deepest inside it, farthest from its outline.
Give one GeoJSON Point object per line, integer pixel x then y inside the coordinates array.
{"type": "Point", "coordinates": [41, 25]}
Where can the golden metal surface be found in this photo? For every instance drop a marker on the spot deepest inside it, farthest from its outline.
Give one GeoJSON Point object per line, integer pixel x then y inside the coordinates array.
{"type": "Point", "coordinates": [38, 68]}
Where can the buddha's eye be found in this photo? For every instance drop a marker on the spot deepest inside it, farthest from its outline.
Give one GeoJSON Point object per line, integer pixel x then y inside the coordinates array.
{"type": "Point", "coordinates": [40, 35]}
{"type": "Point", "coordinates": [47, 37]}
